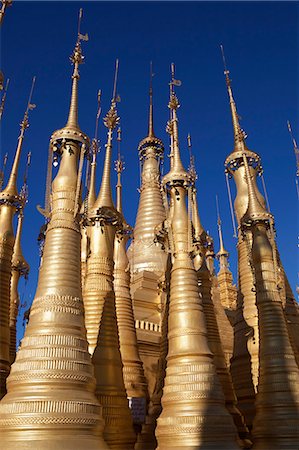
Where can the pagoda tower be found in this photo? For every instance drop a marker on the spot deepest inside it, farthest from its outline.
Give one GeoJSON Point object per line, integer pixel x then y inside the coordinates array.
{"type": "Point", "coordinates": [51, 403]}
{"type": "Point", "coordinates": [20, 268]}
{"type": "Point", "coordinates": [219, 330]}
{"type": "Point", "coordinates": [276, 423]}
{"type": "Point", "coordinates": [134, 379]}
{"type": "Point", "coordinates": [227, 289]}
{"type": "Point", "coordinates": [99, 301]}
{"type": "Point", "coordinates": [10, 202]}
{"type": "Point", "coordinates": [193, 407]}
{"type": "Point", "coordinates": [245, 361]}
{"type": "Point", "coordinates": [91, 194]}
{"type": "Point", "coordinates": [147, 258]}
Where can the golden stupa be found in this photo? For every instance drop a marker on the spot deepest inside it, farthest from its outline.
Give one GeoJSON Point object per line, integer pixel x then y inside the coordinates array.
{"type": "Point", "coordinates": [134, 340]}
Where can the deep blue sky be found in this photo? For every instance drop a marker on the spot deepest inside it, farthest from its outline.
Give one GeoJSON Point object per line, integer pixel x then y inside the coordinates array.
{"type": "Point", "coordinates": [261, 44]}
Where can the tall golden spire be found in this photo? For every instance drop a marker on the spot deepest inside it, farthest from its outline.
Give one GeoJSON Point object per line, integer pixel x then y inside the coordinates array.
{"type": "Point", "coordinates": [134, 379]}
{"type": "Point", "coordinates": [277, 360]}
{"type": "Point", "coordinates": [100, 258]}
{"type": "Point", "coordinates": [51, 401]}
{"type": "Point", "coordinates": [192, 393]}
{"type": "Point", "coordinates": [245, 360]}
{"type": "Point", "coordinates": [19, 268]}
{"type": "Point", "coordinates": [223, 254]}
{"type": "Point", "coordinates": [111, 121]}
{"type": "Point", "coordinates": [239, 134]}
{"type": "Point", "coordinates": [10, 201]}
{"type": "Point", "coordinates": [11, 188]}
{"type": "Point", "coordinates": [143, 254]}
{"type": "Point", "coordinates": [99, 301]}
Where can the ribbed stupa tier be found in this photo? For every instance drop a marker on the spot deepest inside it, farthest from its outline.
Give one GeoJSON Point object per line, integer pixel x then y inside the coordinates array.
{"type": "Point", "coordinates": [97, 284]}
{"type": "Point", "coordinates": [146, 440]}
{"type": "Point", "coordinates": [134, 379]}
{"type": "Point", "coordinates": [19, 267]}
{"type": "Point", "coordinates": [6, 250]}
{"type": "Point", "coordinates": [205, 289]}
{"type": "Point", "coordinates": [13, 313]}
{"type": "Point", "coordinates": [291, 311]}
{"type": "Point", "coordinates": [50, 402]}
{"type": "Point", "coordinates": [9, 200]}
{"type": "Point", "coordinates": [245, 360]}
{"type": "Point", "coordinates": [110, 388]}
{"type": "Point", "coordinates": [144, 253]}
{"type": "Point", "coordinates": [193, 406]}
{"type": "Point", "coordinates": [276, 424]}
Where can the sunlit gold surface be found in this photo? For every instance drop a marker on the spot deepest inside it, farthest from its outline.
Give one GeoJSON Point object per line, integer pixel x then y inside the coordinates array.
{"type": "Point", "coordinates": [19, 268]}
{"type": "Point", "coordinates": [50, 402]}
{"type": "Point", "coordinates": [193, 412]}
{"type": "Point", "coordinates": [134, 379]}
{"type": "Point", "coordinates": [9, 201]}
{"type": "Point", "coordinates": [276, 424]}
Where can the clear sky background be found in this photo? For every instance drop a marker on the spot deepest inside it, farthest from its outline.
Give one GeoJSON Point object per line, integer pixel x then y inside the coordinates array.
{"type": "Point", "coordinates": [261, 45]}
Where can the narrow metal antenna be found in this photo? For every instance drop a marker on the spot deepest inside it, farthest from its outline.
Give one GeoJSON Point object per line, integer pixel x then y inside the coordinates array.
{"type": "Point", "coordinates": [30, 105]}
{"type": "Point", "coordinates": [296, 151]}
{"type": "Point", "coordinates": [218, 213]}
{"type": "Point", "coordinates": [3, 98]}
{"type": "Point", "coordinates": [115, 80]}
{"type": "Point", "coordinates": [2, 171]}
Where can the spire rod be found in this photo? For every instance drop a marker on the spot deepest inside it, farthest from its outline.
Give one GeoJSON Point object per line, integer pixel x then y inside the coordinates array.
{"type": "Point", "coordinates": [192, 169]}
{"type": "Point", "coordinates": [114, 99]}
{"type": "Point", "coordinates": [174, 105]}
{"type": "Point", "coordinates": [3, 98]}
{"type": "Point", "coordinates": [76, 58]}
{"type": "Point", "coordinates": [11, 187]}
{"type": "Point", "coordinates": [2, 171]}
{"type": "Point", "coordinates": [111, 120]}
{"type": "Point", "coordinates": [119, 167]}
{"type": "Point", "coordinates": [239, 134]}
{"type": "Point", "coordinates": [222, 250]}
{"type": "Point", "coordinates": [151, 113]}
{"type": "Point", "coordinates": [296, 151]}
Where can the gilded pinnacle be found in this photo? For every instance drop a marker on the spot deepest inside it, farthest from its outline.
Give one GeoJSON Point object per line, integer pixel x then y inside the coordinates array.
{"type": "Point", "coordinates": [177, 172]}
{"type": "Point", "coordinates": [111, 119]}
{"type": "Point", "coordinates": [239, 134]}
{"type": "Point", "coordinates": [72, 129]}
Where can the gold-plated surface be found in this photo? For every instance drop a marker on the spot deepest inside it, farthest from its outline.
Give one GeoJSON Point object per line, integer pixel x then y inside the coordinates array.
{"type": "Point", "coordinates": [51, 402]}
{"type": "Point", "coordinates": [276, 423]}
{"type": "Point", "coordinates": [214, 341]}
{"type": "Point", "coordinates": [100, 300]}
{"type": "Point", "coordinates": [9, 202]}
{"type": "Point", "coordinates": [245, 360]}
{"type": "Point", "coordinates": [144, 253]}
{"type": "Point", "coordinates": [101, 236]}
{"type": "Point", "coordinates": [134, 379]}
{"type": "Point", "coordinates": [146, 440]}
{"type": "Point", "coordinates": [20, 267]}
{"type": "Point", "coordinates": [193, 412]}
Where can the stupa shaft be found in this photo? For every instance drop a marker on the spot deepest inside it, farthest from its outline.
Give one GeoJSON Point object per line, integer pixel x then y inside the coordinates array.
{"type": "Point", "coordinates": [51, 402]}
